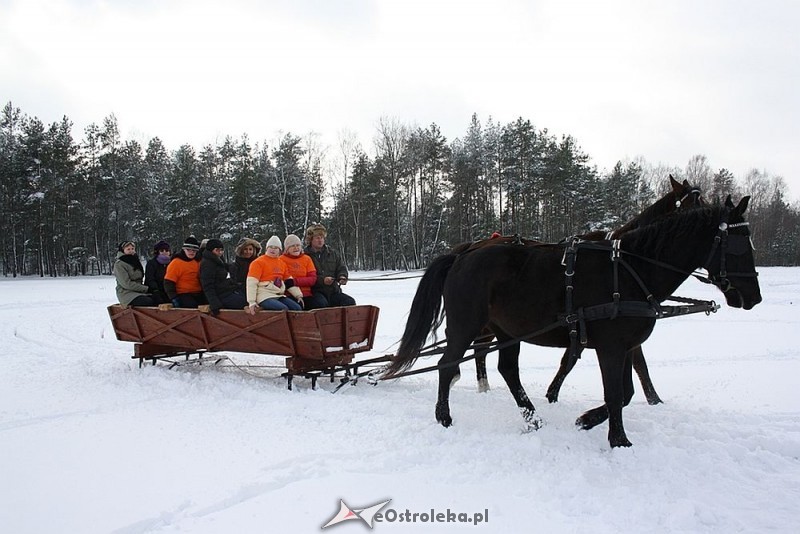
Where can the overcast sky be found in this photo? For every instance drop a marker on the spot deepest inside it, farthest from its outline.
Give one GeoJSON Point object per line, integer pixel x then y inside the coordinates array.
{"type": "Point", "coordinates": [661, 79]}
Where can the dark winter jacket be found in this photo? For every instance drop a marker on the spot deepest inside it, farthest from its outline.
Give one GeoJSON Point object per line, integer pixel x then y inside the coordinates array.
{"type": "Point", "coordinates": [215, 279]}
{"type": "Point", "coordinates": [154, 276]}
{"type": "Point", "coordinates": [328, 263]}
{"type": "Point", "coordinates": [239, 267]}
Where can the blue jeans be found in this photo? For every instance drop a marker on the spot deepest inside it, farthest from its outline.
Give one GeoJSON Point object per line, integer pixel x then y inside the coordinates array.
{"type": "Point", "coordinates": [280, 304]}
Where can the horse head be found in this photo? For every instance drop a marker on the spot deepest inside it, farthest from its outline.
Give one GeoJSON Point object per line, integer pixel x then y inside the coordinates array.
{"type": "Point", "coordinates": [686, 195]}
{"type": "Point", "coordinates": [730, 265]}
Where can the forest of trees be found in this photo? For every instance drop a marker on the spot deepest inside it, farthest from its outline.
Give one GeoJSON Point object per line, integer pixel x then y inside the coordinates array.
{"type": "Point", "coordinates": [66, 203]}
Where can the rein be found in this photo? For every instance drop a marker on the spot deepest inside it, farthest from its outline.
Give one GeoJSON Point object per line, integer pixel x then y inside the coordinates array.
{"type": "Point", "coordinates": [481, 349]}
{"type": "Point", "coordinates": [386, 278]}
{"type": "Point", "coordinates": [721, 244]}
{"type": "Point", "coordinates": [575, 319]}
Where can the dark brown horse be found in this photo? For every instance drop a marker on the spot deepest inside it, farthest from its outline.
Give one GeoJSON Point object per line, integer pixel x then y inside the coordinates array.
{"type": "Point", "coordinates": [681, 196]}
{"type": "Point", "coordinates": [520, 293]}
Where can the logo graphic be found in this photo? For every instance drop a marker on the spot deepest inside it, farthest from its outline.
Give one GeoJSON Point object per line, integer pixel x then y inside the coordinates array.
{"type": "Point", "coordinates": [365, 514]}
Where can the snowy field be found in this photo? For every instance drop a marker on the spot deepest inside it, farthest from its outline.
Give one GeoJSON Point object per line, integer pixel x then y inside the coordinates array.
{"type": "Point", "coordinates": [91, 443]}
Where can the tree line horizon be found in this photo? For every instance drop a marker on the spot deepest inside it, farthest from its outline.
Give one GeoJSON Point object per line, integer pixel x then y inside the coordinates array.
{"type": "Point", "coordinates": [66, 204]}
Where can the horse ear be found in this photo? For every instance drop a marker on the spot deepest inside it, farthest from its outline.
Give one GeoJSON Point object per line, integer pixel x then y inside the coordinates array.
{"type": "Point", "coordinates": [728, 202]}
{"type": "Point", "coordinates": [676, 186]}
{"type": "Point", "coordinates": [740, 209]}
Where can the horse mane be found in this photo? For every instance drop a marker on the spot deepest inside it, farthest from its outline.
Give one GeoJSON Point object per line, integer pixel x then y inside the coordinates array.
{"type": "Point", "coordinates": [663, 206]}
{"type": "Point", "coordinates": [651, 213]}
{"type": "Point", "coordinates": [652, 239]}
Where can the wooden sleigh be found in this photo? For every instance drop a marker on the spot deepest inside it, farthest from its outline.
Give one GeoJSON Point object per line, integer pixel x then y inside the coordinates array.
{"type": "Point", "coordinates": [314, 342]}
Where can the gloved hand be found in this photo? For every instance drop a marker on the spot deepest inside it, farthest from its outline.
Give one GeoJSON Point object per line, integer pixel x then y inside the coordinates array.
{"type": "Point", "coordinates": [176, 303]}
{"type": "Point", "coordinates": [301, 303]}
{"type": "Point", "coordinates": [278, 282]}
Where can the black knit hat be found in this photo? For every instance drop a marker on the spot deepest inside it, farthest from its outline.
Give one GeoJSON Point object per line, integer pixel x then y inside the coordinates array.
{"type": "Point", "coordinates": [161, 245]}
{"type": "Point", "coordinates": [191, 242]}
{"type": "Point", "coordinates": [214, 243]}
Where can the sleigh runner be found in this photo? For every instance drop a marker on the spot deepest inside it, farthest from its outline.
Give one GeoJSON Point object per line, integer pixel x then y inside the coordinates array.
{"type": "Point", "coordinates": [313, 342]}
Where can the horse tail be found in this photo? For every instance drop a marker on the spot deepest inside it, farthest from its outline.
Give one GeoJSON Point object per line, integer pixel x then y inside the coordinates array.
{"type": "Point", "coordinates": [425, 315]}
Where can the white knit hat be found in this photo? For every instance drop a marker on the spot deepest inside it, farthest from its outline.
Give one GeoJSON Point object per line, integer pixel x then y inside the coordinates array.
{"type": "Point", "coordinates": [291, 240]}
{"type": "Point", "coordinates": [274, 241]}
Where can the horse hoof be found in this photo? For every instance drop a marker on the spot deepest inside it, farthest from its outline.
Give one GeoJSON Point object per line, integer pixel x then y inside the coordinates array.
{"type": "Point", "coordinates": [551, 398]}
{"type": "Point", "coordinates": [592, 418]}
{"type": "Point", "coordinates": [652, 401]}
{"type": "Point", "coordinates": [532, 421]}
{"type": "Point", "coordinates": [620, 442]}
{"type": "Point", "coordinates": [586, 422]}
{"type": "Point", "coordinates": [443, 415]}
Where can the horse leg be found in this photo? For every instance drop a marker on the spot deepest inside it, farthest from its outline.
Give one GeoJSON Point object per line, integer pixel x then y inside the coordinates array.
{"type": "Point", "coordinates": [640, 366]}
{"type": "Point", "coordinates": [508, 365]}
{"type": "Point", "coordinates": [457, 376]}
{"type": "Point", "coordinates": [481, 375]}
{"type": "Point", "coordinates": [448, 375]}
{"type": "Point", "coordinates": [567, 363]}
{"type": "Point", "coordinates": [615, 367]}
{"type": "Point", "coordinates": [480, 364]}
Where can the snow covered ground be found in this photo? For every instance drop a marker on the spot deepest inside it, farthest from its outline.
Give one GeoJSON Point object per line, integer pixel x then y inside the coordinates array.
{"type": "Point", "coordinates": [91, 443]}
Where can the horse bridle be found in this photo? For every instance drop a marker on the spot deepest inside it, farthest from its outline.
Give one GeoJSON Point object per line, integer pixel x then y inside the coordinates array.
{"type": "Point", "coordinates": [728, 245]}
{"type": "Point", "coordinates": [724, 244]}
{"type": "Point", "coordinates": [692, 192]}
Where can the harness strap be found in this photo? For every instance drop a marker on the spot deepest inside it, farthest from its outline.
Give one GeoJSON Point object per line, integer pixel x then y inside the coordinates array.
{"type": "Point", "coordinates": [615, 259]}
{"type": "Point", "coordinates": [625, 308]}
{"type": "Point", "coordinates": [569, 260]}
{"type": "Point", "coordinates": [651, 300]}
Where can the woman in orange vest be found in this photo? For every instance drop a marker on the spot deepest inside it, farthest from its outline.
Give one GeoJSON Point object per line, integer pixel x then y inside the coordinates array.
{"type": "Point", "coordinates": [182, 280]}
{"type": "Point", "coordinates": [302, 269]}
{"type": "Point", "coordinates": [269, 280]}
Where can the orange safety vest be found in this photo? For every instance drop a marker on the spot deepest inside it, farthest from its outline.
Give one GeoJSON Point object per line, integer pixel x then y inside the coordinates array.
{"type": "Point", "coordinates": [302, 270]}
{"type": "Point", "coordinates": [185, 274]}
{"type": "Point", "coordinates": [267, 269]}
